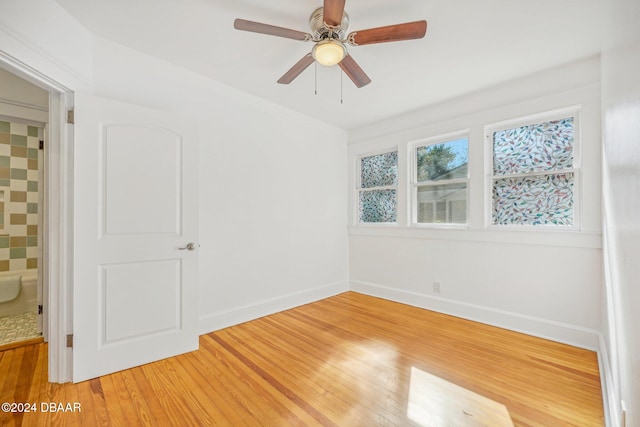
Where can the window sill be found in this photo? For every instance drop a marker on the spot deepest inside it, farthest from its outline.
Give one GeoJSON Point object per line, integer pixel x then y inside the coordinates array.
{"type": "Point", "coordinates": [577, 239]}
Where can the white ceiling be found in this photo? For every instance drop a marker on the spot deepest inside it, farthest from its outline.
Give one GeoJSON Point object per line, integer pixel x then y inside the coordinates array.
{"type": "Point", "coordinates": [470, 45]}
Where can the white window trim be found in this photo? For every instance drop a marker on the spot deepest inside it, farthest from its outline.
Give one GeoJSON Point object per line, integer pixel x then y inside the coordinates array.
{"type": "Point", "coordinates": [358, 182]}
{"type": "Point", "coordinates": [414, 184]}
{"type": "Point", "coordinates": [489, 130]}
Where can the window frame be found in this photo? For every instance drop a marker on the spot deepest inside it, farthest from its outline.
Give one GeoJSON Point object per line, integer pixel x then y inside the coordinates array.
{"type": "Point", "coordinates": [414, 185]}
{"type": "Point", "coordinates": [359, 189]}
{"type": "Point", "coordinates": [490, 129]}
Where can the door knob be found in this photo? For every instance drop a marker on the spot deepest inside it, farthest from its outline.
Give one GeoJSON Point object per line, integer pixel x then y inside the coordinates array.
{"type": "Point", "coordinates": [189, 246]}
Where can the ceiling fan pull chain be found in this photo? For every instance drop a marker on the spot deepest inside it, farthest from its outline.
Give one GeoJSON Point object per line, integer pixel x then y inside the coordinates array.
{"type": "Point", "coordinates": [341, 74]}
{"type": "Point", "coordinates": [315, 74]}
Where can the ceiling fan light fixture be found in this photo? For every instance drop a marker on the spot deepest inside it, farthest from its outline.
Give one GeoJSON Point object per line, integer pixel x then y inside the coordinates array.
{"type": "Point", "coordinates": [329, 52]}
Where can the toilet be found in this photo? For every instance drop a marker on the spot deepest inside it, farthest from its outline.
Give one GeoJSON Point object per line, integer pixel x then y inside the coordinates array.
{"type": "Point", "coordinates": [9, 288]}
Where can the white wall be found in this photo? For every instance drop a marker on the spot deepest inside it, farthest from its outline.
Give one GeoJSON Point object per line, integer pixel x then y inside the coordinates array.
{"type": "Point", "coordinates": [621, 204]}
{"type": "Point", "coordinates": [43, 37]}
{"type": "Point", "coordinates": [541, 282]}
{"type": "Point", "coordinates": [272, 195]}
{"type": "Point", "coordinates": [272, 214]}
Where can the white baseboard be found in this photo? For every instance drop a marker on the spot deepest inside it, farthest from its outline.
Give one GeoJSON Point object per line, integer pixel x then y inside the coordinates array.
{"type": "Point", "coordinates": [234, 316]}
{"type": "Point", "coordinates": [554, 331]}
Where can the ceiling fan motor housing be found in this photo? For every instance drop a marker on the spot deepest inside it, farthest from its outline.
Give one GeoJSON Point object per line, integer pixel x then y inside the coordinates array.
{"type": "Point", "coordinates": [322, 31]}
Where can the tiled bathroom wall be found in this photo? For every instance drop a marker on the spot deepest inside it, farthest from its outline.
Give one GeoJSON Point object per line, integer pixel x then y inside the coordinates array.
{"type": "Point", "coordinates": [19, 145]}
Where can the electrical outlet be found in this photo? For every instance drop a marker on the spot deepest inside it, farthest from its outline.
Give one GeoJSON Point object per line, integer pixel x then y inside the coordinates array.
{"type": "Point", "coordinates": [436, 287]}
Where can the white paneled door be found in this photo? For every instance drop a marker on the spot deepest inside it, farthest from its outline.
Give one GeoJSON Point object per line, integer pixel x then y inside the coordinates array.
{"type": "Point", "coordinates": [135, 236]}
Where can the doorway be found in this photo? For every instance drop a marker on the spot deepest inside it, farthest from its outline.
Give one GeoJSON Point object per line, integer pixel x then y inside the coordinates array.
{"type": "Point", "coordinates": [24, 110]}
{"type": "Point", "coordinates": [70, 225]}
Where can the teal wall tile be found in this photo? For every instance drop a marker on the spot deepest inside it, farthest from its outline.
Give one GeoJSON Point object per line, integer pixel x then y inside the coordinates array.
{"type": "Point", "coordinates": [32, 153]}
{"type": "Point", "coordinates": [32, 208]}
{"type": "Point", "coordinates": [17, 253]}
{"type": "Point", "coordinates": [4, 241]}
{"type": "Point", "coordinates": [32, 131]}
{"type": "Point", "coordinates": [5, 127]}
{"type": "Point", "coordinates": [18, 173]}
{"type": "Point", "coordinates": [5, 161]}
{"type": "Point", "coordinates": [32, 241]}
{"type": "Point", "coordinates": [19, 140]}
{"type": "Point", "coordinates": [32, 185]}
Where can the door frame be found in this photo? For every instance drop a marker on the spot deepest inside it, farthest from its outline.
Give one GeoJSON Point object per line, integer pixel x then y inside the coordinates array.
{"type": "Point", "coordinates": [57, 244]}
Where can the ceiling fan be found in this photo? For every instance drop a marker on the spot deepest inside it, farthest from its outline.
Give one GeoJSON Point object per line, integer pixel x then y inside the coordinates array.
{"type": "Point", "coordinates": [329, 25]}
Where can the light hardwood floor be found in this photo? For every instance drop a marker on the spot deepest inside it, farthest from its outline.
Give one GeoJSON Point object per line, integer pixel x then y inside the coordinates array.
{"type": "Point", "coordinates": [349, 360]}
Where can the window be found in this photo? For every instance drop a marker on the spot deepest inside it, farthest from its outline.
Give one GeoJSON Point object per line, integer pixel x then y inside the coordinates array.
{"type": "Point", "coordinates": [440, 182]}
{"type": "Point", "coordinates": [533, 173]}
{"type": "Point", "coordinates": [377, 192]}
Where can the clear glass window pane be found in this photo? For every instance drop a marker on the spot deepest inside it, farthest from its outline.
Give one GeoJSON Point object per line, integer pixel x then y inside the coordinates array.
{"type": "Point", "coordinates": [378, 206]}
{"type": "Point", "coordinates": [379, 171]}
{"type": "Point", "coordinates": [540, 147]}
{"type": "Point", "coordinates": [534, 200]}
{"type": "Point", "coordinates": [445, 204]}
{"type": "Point", "coordinates": [448, 160]}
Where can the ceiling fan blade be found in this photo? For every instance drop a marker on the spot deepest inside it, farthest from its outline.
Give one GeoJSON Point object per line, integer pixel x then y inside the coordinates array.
{"type": "Point", "coordinates": [272, 30]}
{"type": "Point", "coordinates": [299, 67]}
{"type": "Point", "coordinates": [391, 33]}
{"type": "Point", "coordinates": [353, 70]}
{"type": "Point", "coordinates": [332, 12]}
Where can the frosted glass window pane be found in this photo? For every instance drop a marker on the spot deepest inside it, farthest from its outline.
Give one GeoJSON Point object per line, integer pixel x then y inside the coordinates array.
{"type": "Point", "coordinates": [379, 171]}
{"type": "Point", "coordinates": [443, 161]}
{"type": "Point", "coordinates": [378, 206]}
{"type": "Point", "coordinates": [442, 203]}
{"type": "Point", "coordinates": [539, 147]}
{"type": "Point", "coordinates": [534, 200]}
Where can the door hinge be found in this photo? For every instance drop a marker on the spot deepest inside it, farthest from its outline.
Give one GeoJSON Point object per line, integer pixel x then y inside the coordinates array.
{"type": "Point", "coordinates": [41, 146]}
{"type": "Point", "coordinates": [70, 341]}
{"type": "Point", "coordinates": [70, 117]}
{"type": "Point", "coordinates": [40, 308]}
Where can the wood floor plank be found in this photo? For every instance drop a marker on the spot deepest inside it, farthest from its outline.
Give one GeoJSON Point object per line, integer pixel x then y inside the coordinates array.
{"type": "Point", "coordinates": [256, 393]}
{"type": "Point", "coordinates": [90, 411]}
{"type": "Point", "coordinates": [149, 406]}
{"type": "Point", "coordinates": [336, 395]}
{"type": "Point", "coordinates": [39, 377]}
{"type": "Point", "coordinates": [348, 360]}
{"type": "Point", "coordinates": [174, 408]}
{"type": "Point", "coordinates": [183, 391]}
{"type": "Point", "coordinates": [208, 398]}
{"type": "Point", "coordinates": [10, 373]}
{"type": "Point", "coordinates": [113, 401]}
{"type": "Point", "coordinates": [222, 399]}
{"type": "Point", "coordinates": [291, 392]}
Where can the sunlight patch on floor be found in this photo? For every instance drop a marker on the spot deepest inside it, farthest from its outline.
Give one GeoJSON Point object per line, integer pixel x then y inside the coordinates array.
{"type": "Point", "coordinates": [434, 401]}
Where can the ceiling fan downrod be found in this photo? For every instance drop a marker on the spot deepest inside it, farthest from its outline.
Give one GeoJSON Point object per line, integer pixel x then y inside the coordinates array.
{"type": "Point", "coordinates": [322, 31]}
